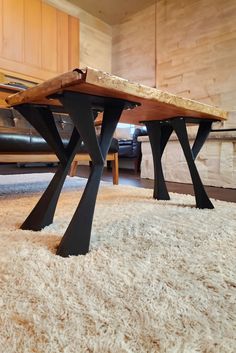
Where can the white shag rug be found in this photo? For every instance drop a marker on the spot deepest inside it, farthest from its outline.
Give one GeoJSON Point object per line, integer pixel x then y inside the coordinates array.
{"type": "Point", "coordinates": [160, 276]}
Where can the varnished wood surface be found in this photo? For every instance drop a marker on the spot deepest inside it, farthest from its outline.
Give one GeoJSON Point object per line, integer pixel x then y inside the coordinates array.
{"type": "Point", "coordinates": [155, 104]}
{"type": "Point", "coordinates": [5, 91]}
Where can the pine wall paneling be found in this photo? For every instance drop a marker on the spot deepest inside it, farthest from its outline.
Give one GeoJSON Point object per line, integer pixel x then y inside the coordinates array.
{"type": "Point", "coordinates": [33, 34]}
{"type": "Point", "coordinates": [73, 45]}
{"type": "Point", "coordinates": [63, 33]}
{"type": "Point", "coordinates": [1, 25]}
{"type": "Point", "coordinates": [95, 36]}
{"type": "Point", "coordinates": [13, 11]}
{"type": "Point", "coordinates": [37, 40]}
{"type": "Point", "coordinates": [49, 38]}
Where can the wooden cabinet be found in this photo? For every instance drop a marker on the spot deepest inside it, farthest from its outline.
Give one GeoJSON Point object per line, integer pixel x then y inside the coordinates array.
{"type": "Point", "coordinates": [37, 40]}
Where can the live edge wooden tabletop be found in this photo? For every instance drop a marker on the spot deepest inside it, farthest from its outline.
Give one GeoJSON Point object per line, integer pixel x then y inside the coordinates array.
{"type": "Point", "coordinates": [155, 104]}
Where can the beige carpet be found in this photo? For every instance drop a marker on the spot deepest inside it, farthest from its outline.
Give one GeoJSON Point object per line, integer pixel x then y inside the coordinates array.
{"type": "Point", "coordinates": [160, 276]}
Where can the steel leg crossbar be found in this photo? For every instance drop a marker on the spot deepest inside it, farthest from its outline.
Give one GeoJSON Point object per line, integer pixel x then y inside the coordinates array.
{"type": "Point", "coordinates": [81, 109]}
{"type": "Point", "coordinates": [159, 133]}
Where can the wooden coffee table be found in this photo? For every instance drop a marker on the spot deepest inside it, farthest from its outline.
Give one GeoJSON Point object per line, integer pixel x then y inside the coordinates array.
{"type": "Point", "coordinates": [83, 94]}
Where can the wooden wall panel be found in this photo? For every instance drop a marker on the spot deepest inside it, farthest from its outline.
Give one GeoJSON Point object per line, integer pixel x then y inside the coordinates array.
{"type": "Point", "coordinates": [95, 36]}
{"type": "Point", "coordinates": [37, 40]}
{"type": "Point", "coordinates": [196, 50]}
{"type": "Point", "coordinates": [49, 38]}
{"type": "Point", "coordinates": [1, 25]}
{"type": "Point", "coordinates": [13, 35]}
{"type": "Point", "coordinates": [62, 41]}
{"type": "Point", "coordinates": [95, 47]}
{"type": "Point", "coordinates": [133, 47]}
{"type": "Point", "coordinates": [33, 33]}
{"type": "Point", "coordinates": [73, 45]}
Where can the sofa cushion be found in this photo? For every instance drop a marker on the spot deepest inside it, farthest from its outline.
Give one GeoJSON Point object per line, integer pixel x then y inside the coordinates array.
{"type": "Point", "coordinates": [126, 151]}
{"type": "Point", "coordinates": [11, 142]}
{"type": "Point", "coordinates": [17, 135]}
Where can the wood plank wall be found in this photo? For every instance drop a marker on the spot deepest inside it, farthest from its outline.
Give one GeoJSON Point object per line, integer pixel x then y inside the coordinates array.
{"type": "Point", "coordinates": [37, 40]}
{"type": "Point", "coordinates": [195, 49]}
{"type": "Point", "coordinates": [189, 49]}
{"type": "Point", "coordinates": [95, 36]}
{"type": "Point", "coordinates": [95, 46]}
{"type": "Point", "coordinates": [133, 47]}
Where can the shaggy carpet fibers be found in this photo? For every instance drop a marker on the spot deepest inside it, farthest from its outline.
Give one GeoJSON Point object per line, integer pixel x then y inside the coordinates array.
{"type": "Point", "coordinates": [160, 276]}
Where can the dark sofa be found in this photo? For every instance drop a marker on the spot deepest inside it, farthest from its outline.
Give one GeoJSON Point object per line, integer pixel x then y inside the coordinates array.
{"type": "Point", "coordinates": [18, 137]}
{"type": "Point", "coordinates": [131, 149]}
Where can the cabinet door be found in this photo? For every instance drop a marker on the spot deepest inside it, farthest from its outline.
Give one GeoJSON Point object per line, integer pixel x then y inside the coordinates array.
{"type": "Point", "coordinates": [37, 40]}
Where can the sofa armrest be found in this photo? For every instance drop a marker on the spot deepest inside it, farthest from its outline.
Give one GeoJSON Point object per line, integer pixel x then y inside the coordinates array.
{"type": "Point", "coordinates": [131, 148]}
{"type": "Point", "coordinates": [136, 144]}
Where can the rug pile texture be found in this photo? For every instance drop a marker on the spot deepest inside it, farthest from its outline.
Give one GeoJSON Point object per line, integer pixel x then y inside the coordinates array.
{"type": "Point", "coordinates": [160, 275]}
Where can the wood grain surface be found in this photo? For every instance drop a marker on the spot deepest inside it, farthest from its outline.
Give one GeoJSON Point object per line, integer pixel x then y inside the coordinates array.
{"type": "Point", "coordinates": [154, 104]}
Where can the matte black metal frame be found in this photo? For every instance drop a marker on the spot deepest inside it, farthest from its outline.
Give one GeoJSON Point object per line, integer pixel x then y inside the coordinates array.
{"type": "Point", "coordinates": [159, 133]}
{"type": "Point", "coordinates": [82, 109]}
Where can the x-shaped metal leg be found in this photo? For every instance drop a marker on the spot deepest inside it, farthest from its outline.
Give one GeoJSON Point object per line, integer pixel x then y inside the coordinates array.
{"type": "Point", "coordinates": [42, 120]}
{"type": "Point", "coordinates": [179, 125]}
{"type": "Point", "coordinates": [77, 236]}
{"type": "Point", "coordinates": [159, 133]}
{"type": "Point", "coordinates": [81, 108]}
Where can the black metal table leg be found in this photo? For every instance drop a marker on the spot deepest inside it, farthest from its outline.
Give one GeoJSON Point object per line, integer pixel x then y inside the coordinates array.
{"type": "Point", "coordinates": [159, 135]}
{"type": "Point", "coordinates": [203, 131]}
{"type": "Point", "coordinates": [41, 118]}
{"type": "Point", "coordinates": [179, 126]}
{"type": "Point", "coordinates": [77, 236]}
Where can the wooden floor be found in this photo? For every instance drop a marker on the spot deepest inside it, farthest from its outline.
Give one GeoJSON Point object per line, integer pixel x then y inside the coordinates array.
{"type": "Point", "coordinates": [127, 177]}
